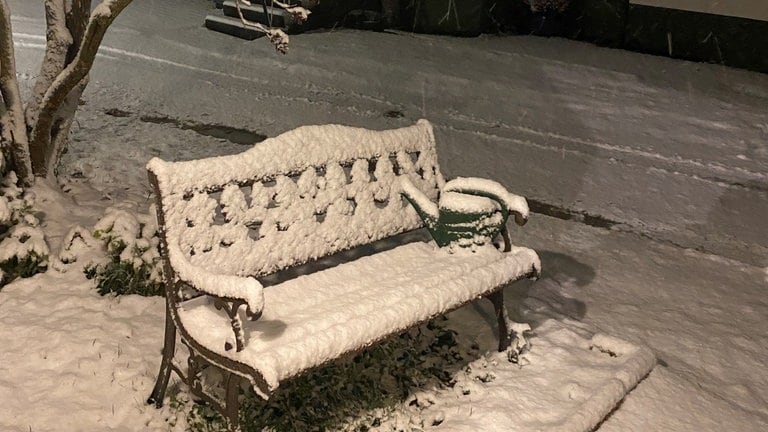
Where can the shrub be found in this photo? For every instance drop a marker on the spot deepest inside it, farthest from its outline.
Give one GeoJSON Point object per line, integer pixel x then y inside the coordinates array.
{"type": "Point", "coordinates": [22, 267]}
{"type": "Point", "coordinates": [133, 261]}
{"type": "Point", "coordinates": [353, 394]}
{"type": "Point", "coordinates": [23, 251]}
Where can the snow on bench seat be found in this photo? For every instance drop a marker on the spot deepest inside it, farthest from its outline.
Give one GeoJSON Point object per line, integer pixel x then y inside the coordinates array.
{"type": "Point", "coordinates": [316, 318]}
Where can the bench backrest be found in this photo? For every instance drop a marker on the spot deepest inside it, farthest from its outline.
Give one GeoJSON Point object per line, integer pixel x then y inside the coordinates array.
{"type": "Point", "coordinates": [302, 195]}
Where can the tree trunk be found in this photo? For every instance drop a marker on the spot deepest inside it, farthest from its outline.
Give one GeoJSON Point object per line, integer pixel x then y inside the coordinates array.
{"type": "Point", "coordinates": [77, 20]}
{"type": "Point", "coordinates": [61, 126]}
{"type": "Point", "coordinates": [43, 152]}
{"type": "Point", "coordinates": [58, 41]}
{"type": "Point", "coordinates": [13, 129]}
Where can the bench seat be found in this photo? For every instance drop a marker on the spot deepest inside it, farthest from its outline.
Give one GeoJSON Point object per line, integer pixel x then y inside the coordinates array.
{"type": "Point", "coordinates": [315, 318]}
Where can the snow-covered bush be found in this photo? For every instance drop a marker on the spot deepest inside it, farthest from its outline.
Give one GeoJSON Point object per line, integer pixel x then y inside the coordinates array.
{"type": "Point", "coordinates": [541, 6]}
{"type": "Point", "coordinates": [356, 394]}
{"type": "Point", "coordinates": [23, 251]}
{"type": "Point", "coordinates": [133, 261]}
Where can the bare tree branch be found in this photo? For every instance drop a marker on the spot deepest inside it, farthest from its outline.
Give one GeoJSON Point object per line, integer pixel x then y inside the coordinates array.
{"type": "Point", "coordinates": [101, 17]}
{"type": "Point", "coordinates": [58, 40]}
{"type": "Point", "coordinates": [14, 129]}
{"type": "Point", "coordinates": [65, 116]}
{"type": "Point", "coordinates": [299, 13]}
{"type": "Point", "coordinates": [277, 37]}
{"type": "Point", "coordinates": [77, 20]}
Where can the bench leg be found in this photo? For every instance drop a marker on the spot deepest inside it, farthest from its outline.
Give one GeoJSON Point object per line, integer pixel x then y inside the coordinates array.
{"type": "Point", "coordinates": [169, 349]}
{"type": "Point", "coordinates": [232, 402]}
{"type": "Point", "coordinates": [511, 334]}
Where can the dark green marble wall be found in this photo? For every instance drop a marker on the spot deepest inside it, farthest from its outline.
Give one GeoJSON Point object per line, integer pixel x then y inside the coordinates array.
{"type": "Point", "coordinates": [737, 42]}
{"type": "Point", "coordinates": [599, 21]}
{"type": "Point", "coordinates": [731, 41]}
{"type": "Point", "coordinates": [456, 17]}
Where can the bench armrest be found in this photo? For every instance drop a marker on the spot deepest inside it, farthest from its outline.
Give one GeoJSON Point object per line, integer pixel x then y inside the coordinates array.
{"type": "Point", "coordinates": [244, 289]}
{"type": "Point", "coordinates": [512, 203]}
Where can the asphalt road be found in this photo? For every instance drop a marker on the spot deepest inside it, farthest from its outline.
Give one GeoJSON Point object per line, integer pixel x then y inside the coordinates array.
{"type": "Point", "coordinates": [669, 150]}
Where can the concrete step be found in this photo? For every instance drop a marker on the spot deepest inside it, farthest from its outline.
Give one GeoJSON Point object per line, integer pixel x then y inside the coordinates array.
{"type": "Point", "coordinates": [231, 26]}
{"type": "Point", "coordinates": [274, 17]}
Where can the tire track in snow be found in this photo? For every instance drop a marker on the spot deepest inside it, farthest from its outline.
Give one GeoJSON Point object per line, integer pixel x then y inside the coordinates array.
{"type": "Point", "coordinates": [544, 140]}
{"type": "Point", "coordinates": [756, 181]}
{"type": "Point", "coordinates": [755, 186]}
{"type": "Point", "coordinates": [700, 170]}
{"type": "Point", "coordinates": [135, 55]}
{"type": "Point", "coordinates": [598, 221]}
{"type": "Point", "coordinates": [232, 134]}
{"type": "Point", "coordinates": [116, 54]}
{"type": "Point", "coordinates": [745, 250]}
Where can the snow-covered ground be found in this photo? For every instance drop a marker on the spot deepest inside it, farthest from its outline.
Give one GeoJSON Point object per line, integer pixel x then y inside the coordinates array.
{"type": "Point", "coordinates": [656, 171]}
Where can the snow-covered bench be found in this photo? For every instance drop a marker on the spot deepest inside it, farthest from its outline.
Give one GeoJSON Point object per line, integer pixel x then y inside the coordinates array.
{"type": "Point", "coordinates": [290, 200]}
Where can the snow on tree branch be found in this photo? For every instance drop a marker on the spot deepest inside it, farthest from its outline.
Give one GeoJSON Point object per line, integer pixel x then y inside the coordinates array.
{"type": "Point", "coordinates": [277, 37]}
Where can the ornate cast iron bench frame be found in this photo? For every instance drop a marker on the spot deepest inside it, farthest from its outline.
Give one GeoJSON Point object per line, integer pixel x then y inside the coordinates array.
{"type": "Point", "coordinates": [200, 205]}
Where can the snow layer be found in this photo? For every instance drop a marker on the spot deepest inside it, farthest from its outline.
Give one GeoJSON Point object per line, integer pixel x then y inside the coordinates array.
{"type": "Point", "coordinates": [21, 241]}
{"type": "Point", "coordinates": [420, 199]}
{"type": "Point", "coordinates": [465, 203]}
{"type": "Point", "coordinates": [219, 284]}
{"type": "Point", "coordinates": [72, 360]}
{"type": "Point", "coordinates": [294, 152]}
{"type": "Point", "coordinates": [674, 152]}
{"type": "Point", "coordinates": [493, 188]}
{"type": "Point", "coordinates": [302, 195]}
{"type": "Point", "coordinates": [568, 382]}
{"type": "Point", "coordinates": [316, 318]}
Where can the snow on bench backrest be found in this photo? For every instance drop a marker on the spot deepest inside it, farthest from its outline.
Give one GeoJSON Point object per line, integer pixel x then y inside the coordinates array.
{"type": "Point", "coordinates": [302, 195]}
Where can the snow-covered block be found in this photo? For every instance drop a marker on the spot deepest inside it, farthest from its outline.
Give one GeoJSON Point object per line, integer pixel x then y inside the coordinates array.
{"type": "Point", "coordinates": [568, 382]}
{"type": "Point", "coordinates": [316, 318]}
{"type": "Point", "coordinates": [231, 26]}
{"type": "Point", "coordinates": [264, 14]}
